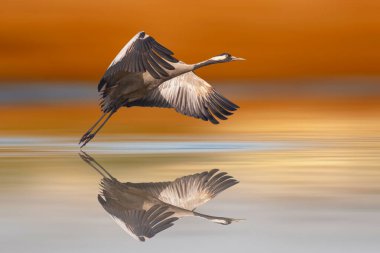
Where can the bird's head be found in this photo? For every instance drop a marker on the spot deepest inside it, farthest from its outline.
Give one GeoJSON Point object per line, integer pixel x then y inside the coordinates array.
{"type": "Point", "coordinates": [225, 57]}
{"type": "Point", "coordinates": [222, 58]}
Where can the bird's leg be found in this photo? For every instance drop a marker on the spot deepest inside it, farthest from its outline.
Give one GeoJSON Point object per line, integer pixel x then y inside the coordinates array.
{"type": "Point", "coordinates": [92, 128]}
{"type": "Point", "coordinates": [94, 164]}
{"type": "Point", "coordinates": [86, 139]}
{"type": "Point", "coordinates": [87, 158]}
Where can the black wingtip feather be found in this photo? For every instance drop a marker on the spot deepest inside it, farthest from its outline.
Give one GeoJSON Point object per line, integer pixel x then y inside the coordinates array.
{"type": "Point", "coordinates": [224, 102]}
{"type": "Point", "coordinates": [223, 186]}
{"type": "Point", "coordinates": [216, 112]}
{"type": "Point", "coordinates": [162, 62]}
{"type": "Point", "coordinates": [160, 47]}
{"type": "Point", "coordinates": [101, 84]}
{"type": "Point", "coordinates": [149, 68]}
{"type": "Point", "coordinates": [219, 182]}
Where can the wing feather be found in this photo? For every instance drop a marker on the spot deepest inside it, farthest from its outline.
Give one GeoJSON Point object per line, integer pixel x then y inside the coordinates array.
{"type": "Point", "coordinates": [142, 53]}
{"type": "Point", "coordinates": [140, 223]}
{"type": "Point", "coordinates": [190, 95]}
{"type": "Point", "coordinates": [191, 191]}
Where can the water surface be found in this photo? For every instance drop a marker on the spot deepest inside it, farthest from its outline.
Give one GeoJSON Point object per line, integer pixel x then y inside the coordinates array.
{"type": "Point", "coordinates": [309, 196]}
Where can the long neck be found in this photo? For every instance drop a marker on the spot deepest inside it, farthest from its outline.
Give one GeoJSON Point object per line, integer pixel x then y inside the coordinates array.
{"type": "Point", "coordinates": [204, 63]}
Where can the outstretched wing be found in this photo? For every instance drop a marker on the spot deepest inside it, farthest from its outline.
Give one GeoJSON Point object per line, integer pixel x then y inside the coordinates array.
{"type": "Point", "coordinates": [140, 223]}
{"type": "Point", "coordinates": [191, 191]}
{"type": "Point", "coordinates": [191, 96]}
{"type": "Point", "coordinates": [142, 53]}
{"type": "Point", "coordinates": [153, 188]}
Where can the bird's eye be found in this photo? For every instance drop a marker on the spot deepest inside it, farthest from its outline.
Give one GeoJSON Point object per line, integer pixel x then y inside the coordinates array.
{"type": "Point", "coordinates": [227, 55]}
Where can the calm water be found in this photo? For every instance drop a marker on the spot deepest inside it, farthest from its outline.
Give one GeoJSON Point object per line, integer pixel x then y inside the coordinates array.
{"type": "Point", "coordinates": [296, 196]}
{"type": "Point", "coordinates": [306, 153]}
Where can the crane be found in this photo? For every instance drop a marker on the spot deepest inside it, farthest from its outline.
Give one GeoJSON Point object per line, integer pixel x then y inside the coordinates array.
{"type": "Point", "coordinates": [145, 73]}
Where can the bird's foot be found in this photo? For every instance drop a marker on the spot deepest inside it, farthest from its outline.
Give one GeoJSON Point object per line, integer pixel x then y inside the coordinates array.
{"type": "Point", "coordinates": [86, 139]}
{"type": "Point", "coordinates": [86, 157]}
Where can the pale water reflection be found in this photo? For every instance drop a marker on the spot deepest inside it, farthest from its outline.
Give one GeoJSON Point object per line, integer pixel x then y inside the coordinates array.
{"type": "Point", "coordinates": [313, 197]}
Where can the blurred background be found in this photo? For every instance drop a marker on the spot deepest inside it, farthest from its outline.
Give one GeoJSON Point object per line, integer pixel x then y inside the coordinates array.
{"type": "Point", "coordinates": [307, 58]}
{"type": "Point", "coordinates": [304, 143]}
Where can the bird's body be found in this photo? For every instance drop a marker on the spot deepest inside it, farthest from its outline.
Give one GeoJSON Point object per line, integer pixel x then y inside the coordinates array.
{"type": "Point", "coordinates": [127, 87]}
{"type": "Point", "coordinates": [126, 196]}
{"type": "Point", "coordinates": [145, 209]}
{"type": "Point", "coordinates": [145, 73]}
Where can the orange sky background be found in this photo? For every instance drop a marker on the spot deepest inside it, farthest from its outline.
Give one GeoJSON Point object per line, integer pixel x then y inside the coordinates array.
{"type": "Point", "coordinates": [76, 40]}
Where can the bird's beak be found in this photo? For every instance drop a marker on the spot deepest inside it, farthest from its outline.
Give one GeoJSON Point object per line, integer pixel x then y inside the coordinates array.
{"type": "Point", "coordinates": [237, 58]}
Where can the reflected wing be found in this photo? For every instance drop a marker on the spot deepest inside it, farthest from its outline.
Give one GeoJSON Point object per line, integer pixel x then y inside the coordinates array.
{"type": "Point", "coordinates": [189, 192]}
{"type": "Point", "coordinates": [142, 53]}
{"type": "Point", "coordinates": [141, 224]}
{"type": "Point", "coordinates": [153, 188]}
{"type": "Point", "coordinates": [191, 96]}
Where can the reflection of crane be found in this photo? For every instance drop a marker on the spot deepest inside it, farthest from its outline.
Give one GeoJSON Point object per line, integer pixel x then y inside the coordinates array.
{"type": "Point", "coordinates": [145, 209]}
{"type": "Point", "coordinates": [145, 73]}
